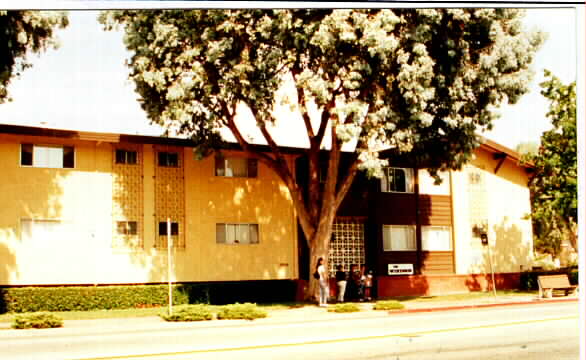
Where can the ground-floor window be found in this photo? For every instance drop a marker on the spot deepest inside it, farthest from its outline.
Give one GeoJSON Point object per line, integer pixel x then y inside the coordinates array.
{"type": "Point", "coordinates": [49, 231]}
{"type": "Point", "coordinates": [175, 229]}
{"type": "Point", "coordinates": [436, 238]}
{"type": "Point", "coordinates": [347, 244]}
{"type": "Point", "coordinates": [399, 238]}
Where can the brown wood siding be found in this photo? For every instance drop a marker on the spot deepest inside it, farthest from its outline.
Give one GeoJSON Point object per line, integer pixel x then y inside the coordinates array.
{"type": "Point", "coordinates": [395, 209]}
{"type": "Point", "coordinates": [437, 262]}
{"type": "Point", "coordinates": [435, 210]}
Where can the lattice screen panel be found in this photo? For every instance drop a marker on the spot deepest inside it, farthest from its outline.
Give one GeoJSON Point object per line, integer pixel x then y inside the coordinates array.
{"type": "Point", "coordinates": [347, 244]}
{"type": "Point", "coordinates": [169, 197]}
{"type": "Point", "coordinates": [127, 198]}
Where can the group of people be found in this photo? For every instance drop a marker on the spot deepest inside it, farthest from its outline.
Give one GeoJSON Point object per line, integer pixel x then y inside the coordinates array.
{"type": "Point", "coordinates": [353, 286]}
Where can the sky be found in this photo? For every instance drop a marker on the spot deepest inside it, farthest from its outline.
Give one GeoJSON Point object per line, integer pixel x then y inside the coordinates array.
{"type": "Point", "coordinates": [84, 84]}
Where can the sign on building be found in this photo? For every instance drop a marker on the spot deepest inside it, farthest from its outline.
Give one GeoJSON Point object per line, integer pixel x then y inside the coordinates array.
{"type": "Point", "coordinates": [400, 269]}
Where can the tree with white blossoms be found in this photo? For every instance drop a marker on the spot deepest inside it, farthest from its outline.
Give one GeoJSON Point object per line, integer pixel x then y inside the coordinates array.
{"type": "Point", "coordinates": [422, 82]}
{"type": "Point", "coordinates": [23, 32]}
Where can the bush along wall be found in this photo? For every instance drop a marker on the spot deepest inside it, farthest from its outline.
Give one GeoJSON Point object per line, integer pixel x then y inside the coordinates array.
{"type": "Point", "coordinates": [83, 298]}
{"type": "Point", "coordinates": [529, 278]}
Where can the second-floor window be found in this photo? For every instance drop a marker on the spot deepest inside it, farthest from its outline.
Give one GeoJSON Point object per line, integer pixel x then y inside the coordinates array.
{"type": "Point", "coordinates": [127, 157]}
{"type": "Point", "coordinates": [47, 156]}
{"type": "Point", "coordinates": [168, 159]}
{"type": "Point", "coordinates": [397, 180]}
{"type": "Point", "coordinates": [237, 233]}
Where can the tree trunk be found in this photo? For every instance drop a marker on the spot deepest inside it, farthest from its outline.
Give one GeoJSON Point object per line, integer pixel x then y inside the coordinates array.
{"type": "Point", "coordinates": [319, 247]}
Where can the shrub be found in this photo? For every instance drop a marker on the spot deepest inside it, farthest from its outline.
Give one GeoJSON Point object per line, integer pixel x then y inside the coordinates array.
{"type": "Point", "coordinates": [343, 308]}
{"type": "Point", "coordinates": [190, 313]}
{"type": "Point", "coordinates": [388, 305]}
{"type": "Point", "coordinates": [246, 311]}
{"type": "Point", "coordinates": [78, 298]}
{"type": "Point", "coordinates": [39, 320]}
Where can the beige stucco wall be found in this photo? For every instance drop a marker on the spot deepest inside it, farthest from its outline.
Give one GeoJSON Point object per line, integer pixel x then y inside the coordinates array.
{"type": "Point", "coordinates": [82, 198]}
{"type": "Point", "coordinates": [427, 184]}
{"type": "Point", "coordinates": [506, 204]}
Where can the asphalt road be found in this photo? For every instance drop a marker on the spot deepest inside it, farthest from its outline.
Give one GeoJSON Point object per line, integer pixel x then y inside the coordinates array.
{"type": "Point", "coordinates": [548, 331]}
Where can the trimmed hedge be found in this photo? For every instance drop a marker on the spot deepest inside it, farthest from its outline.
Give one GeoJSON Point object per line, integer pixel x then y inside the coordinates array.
{"type": "Point", "coordinates": [344, 308]}
{"type": "Point", "coordinates": [83, 298]}
{"type": "Point", "coordinates": [246, 311]}
{"type": "Point", "coordinates": [528, 279]}
{"type": "Point", "coordinates": [388, 305]}
{"type": "Point", "coordinates": [192, 313]}
{"type": "Point", "coordinates": [34, 299]}
{"type": "Point", "coordinates": [39, 320]}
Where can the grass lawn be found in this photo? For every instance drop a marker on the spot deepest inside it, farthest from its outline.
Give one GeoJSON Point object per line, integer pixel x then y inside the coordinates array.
{"type": "Point", "coordinates": [131, 313]}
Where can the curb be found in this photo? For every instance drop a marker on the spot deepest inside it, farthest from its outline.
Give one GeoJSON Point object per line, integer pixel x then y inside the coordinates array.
{"type": "Point", "coordinates": [480, 306]}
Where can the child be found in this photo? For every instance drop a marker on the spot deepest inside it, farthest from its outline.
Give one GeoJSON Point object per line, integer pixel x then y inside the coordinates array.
{"type": "Point", "coordinates": [368, 286]}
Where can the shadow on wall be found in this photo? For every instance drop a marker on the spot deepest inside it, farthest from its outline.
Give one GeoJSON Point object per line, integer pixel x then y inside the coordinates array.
{"type": "Point", "coordinates": [236, 200]}
{"type": "Point", "coordinates": [7, 268]}
{"type": "Point", "coordinates": [510, 256]}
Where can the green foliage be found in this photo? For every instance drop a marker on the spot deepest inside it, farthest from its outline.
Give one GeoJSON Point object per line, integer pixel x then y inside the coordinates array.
{"type": "Point", "coordinates": [388, 305]}
{"type": "Point", "coordinates": [33, 299]}
{"type": "Point", "coordinates": [246, 311]}
{"type": "Point", "coordinates": [39, 320]}
{"type": "Point", "coordinates": [527, 148]}
{"type": "Point", "coordinates": [528, 280]}
{"type": "Point", "coordinates": [415, 79]}
{"type": "Point", "coordinates": [344, 308]}
{"type": "Point", "coordinates": [23, 32]}
{"type": "Point", "coordinates": [419, 82]}
{"type": "Point", "coordinates": [190, 313]}
{"type": "Point", "coordinates": [555, 183]}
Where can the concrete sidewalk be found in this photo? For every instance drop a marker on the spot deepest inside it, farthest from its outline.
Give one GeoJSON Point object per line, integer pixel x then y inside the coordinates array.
{"type": "Point", "coordinates": [308, 313]}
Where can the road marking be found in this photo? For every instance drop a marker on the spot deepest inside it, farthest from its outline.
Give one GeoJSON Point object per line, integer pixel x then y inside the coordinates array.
{"type": "Point", "coordinates": [329, 341]}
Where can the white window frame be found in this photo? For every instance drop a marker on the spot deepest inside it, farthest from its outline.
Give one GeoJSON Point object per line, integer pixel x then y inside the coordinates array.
{"type": "Point", "coordinates": [409, 180]}
{"type": "Point", "coordinates": [223, 169]}
{"type": "Point", "coordinates": [388, 240]}
{"type": "Point", "coordinates": [60, 229]}
{"type": "Point", "coordinates": [59, 164]}
{"type": "Point", "coordinates": [225, 239]}
{"type": "Point", "coordinates": [433, 246]}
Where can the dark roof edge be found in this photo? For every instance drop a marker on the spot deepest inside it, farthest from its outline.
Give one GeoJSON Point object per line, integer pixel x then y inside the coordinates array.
{"type": "Point", "coordinates": [121, 138]}
{"type": "Point", "coordinates": [160, 140]}
{"type": "Point", "coordinates": [497, 148]}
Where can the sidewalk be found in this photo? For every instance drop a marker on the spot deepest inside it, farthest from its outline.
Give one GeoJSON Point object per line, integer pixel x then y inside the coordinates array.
{"type": "Point", "coordinates": [303, 314]}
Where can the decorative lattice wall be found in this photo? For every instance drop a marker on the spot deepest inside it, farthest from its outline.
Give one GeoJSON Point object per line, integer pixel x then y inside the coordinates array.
{"type": "Point", "coordinates": [127, 196]}
{"type": "Point", "coordinates": [347, 244]}
{"type": "Point", "coordinates": [169, 197]}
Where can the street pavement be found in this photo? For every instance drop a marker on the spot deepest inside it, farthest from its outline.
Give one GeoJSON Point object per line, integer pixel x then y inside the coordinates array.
{"type": "Point", "coordinates": [368, 329]}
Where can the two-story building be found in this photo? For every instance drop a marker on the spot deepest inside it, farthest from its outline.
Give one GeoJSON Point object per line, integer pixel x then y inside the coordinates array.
{"type": "Point", "coordinates": [82, 208]}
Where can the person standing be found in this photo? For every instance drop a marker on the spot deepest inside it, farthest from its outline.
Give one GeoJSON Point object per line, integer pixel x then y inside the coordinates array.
{"type": "Point", "coordinates": [323, 282]}
{"type": "Point", "coordinates": [341, 280]}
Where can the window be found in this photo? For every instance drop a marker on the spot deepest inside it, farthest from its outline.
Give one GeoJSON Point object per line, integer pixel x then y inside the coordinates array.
{"type": "Point", "coordinates": [127, 227]}
{"type": "Point", "coordinates": [47, 156]}
{"type": "Point", "coordinates": [236, 167]}
{"type": "Point", "coordinates": [163, 228]}
{"type": "Point", "coordinates": [397, 180]}
{"type": "Point", "coordinates": [399, 238]}
{"type": "Point", "coordinates": [168, 159]}
{"type": "Point", "coordinates": [436, 238]}
{"type": "Point", "coordinates": [126, 157]}
{"type": "Point", "coordinates": [46, 231]}
{"type": "Point", "coordinates": [237, 233]}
